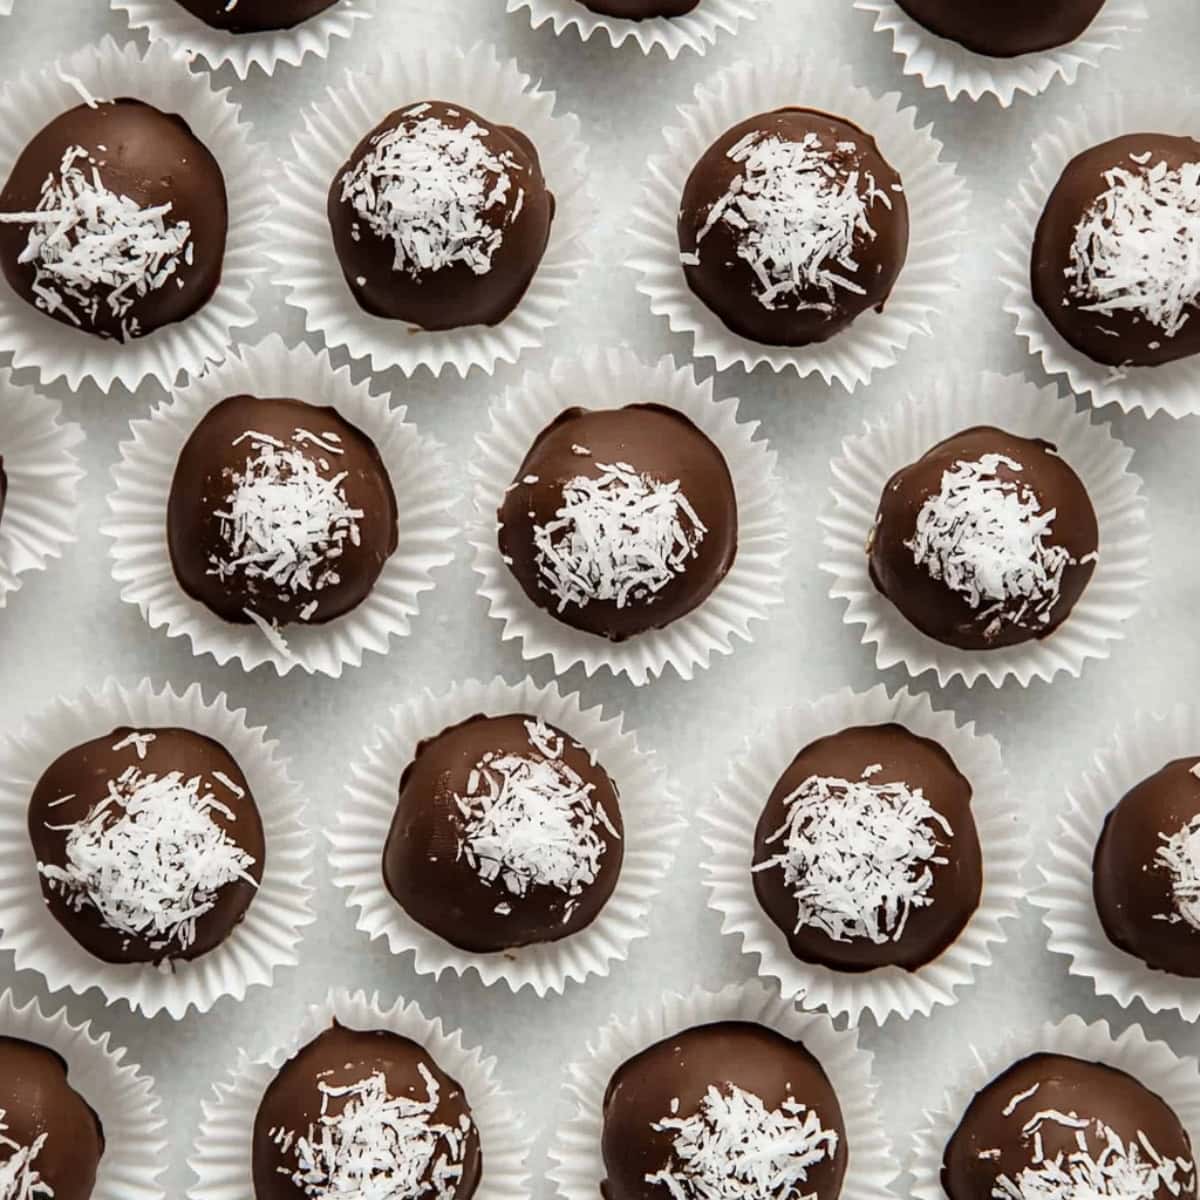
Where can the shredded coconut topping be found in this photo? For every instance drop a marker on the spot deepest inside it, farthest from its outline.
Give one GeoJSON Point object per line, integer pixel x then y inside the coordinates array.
{"type": "Point", "coordinates": [799, 213]}
{"type": "Point", "coordinates": [1123, 1171]}
{"type": "Point", "coordinates": [287, 520]}
{"type": "Point", "coordinates": [1137, 248]}
{"type": "Point", "coordinates": [149, 858]}
{"type": "Point", "coordinates": [377, 1146]}
{"type": "Point", "coordinates": [93, 250]}
{"type": "Point", "coordinates": [735, 1148]}
{"type": "Point", "coordinates": [1180, 855]}
{"type": "Point", "coordinates": [429, 186]}
{"type": "Point", "coordinates": [985, 538]}
{"type": "Point", "coordinates": [858, 856]}
{"type": "Point", "coordinates": [620, 536]}
{"type": "Point", "coordinates": [529, 820]}
{"type": "Point", "coordinates": [19, 1176]}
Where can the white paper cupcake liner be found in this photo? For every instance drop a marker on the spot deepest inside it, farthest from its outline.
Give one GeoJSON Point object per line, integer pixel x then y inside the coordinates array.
{"type": "Point", "coordinates": [1155, 1065]}
{"type": "Point", "coordinates": [157, 77]}
{"type": "Point", "coordinates": [697, 30]}
{"type": "Point", "coordinates": [125, 1099]}
{"type": "Point", "coordinates": [37, 451]}
{"type": "Point", "coordinates": [266, 940]}
{"type": "Point", "coordinates": [1141, 747]}
{"type": "Point", "coordinates": [577, 1165]}
{"type": "Point", "coordinates": [730, 821]}
{"type": "Point", "coordinates": [649, 809]}
{"type": "Point", "coordinates": [416, 465]}
{"type": "Point", "coordinates": [167, 21]}
{"type": "Point", "coordinates": [941, 63]}
{"type": "Point", "coordinates": [302, 246]}
{"type": "Point", "coordinates": [221, 1160]}
{"type": "Point", "coordinates": [1172, 388]}
{"type": "Point", "coordinates": [937, 204]}
{"type": "Point", "coordinates": [948, 405]}
{"type": "Point", "coordinates": [612, 379]}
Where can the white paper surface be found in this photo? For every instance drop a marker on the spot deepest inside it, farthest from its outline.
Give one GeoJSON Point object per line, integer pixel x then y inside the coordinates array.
{"type": "Point", "coordinates": [67, 628]}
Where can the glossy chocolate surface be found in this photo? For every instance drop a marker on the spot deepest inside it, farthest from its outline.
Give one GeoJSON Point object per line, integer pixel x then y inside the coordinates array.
{"type": "Point", "coordinates": [1005, 30]}
{"type": "Point", "coordinates": [255, 16]}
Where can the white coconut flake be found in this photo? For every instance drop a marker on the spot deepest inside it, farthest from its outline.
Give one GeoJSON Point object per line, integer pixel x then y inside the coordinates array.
{"type": "Point", "coordinates": [1179, 854]}
{"type": "Point", "coordinates": [799, 214]}
{"type": "Point", "coordinates": [149, 858]}
{"type": "Point", "coordinates": [734, 1148]}
{"type": "Point", "coordinates": [618, 536]}
{"type": "Point", "coordinates": [858, 857]}
{"type": "Point", "coordinates": [1137, 248]}
{"type": "Point", "coordinates": [19, 1176]}
{"type": "Point", "coordinates": [140, 741]}
{"type": "Point", "coordinates": [370, 1145]}
{"type": "Point", "coordinates": [985, 538]}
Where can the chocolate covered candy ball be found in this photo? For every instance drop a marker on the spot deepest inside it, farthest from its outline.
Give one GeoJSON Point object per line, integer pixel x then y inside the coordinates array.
{"type": "Point", "coordinates": [440, 218]}
{"type": "Point", "coordinates": [1005, 30]}
{"type": "Point", "coordinates": [791, 225]}
{"type": "Point", "coordinates": [640, 10]}
{"type": "Point", "coordinates": [254, 16]}
{"type": "Point", "coordinates": [113, 220]}
{"type": "Point", "coordinates": [149, 845]}
{"type": "Point", "coordinates": [988, 540]}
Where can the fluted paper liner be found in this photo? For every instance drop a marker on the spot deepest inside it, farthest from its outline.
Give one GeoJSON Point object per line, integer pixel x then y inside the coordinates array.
{"type": "Point", "coordinates": [302, 246]}
{"type": "Point", "coordinates": [415, 463]}
{"type": "Point", "coordinates": [613, 379]}
{"type": "Point", "coordinates": [729, 824]}
{"type": "Point", "coordinates": [1141, 747]}
{"type": "Point", "coordinates": [105, 71]}
{"type": "Point", "coordinates": [41, 508]}
{"type": "Point", "coordinates": [121, 1095]}
{"type": "Point", "coordinates": [221, 1160]}
{"type": "Point", "coordinates": [941, 63]}
{"type": "Point", "coordinates": [577, 1168]}
{"type": "Point", "coordinates": [1172, 388]}
{"type": "Point", "coordinates": [696, 30]}
{"type": "Point", "coordinates": [1155, 1065]}
{"type": "Point", "coordinates": [269, 935]}
{"type": "Point", "coordinates": [937, 204]}
{"type": "Point", "coordinates": [949, 405]}
{"type": "Point", "coordinates": [649, 809]}
{"type": "Point", "coordinates": [168, 21]}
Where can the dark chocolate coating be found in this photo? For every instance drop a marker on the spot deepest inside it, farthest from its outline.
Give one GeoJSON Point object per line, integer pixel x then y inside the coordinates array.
{"type": "Point", "coordinates": [3, 486]}
{"type": "Point", "coordinates": [84, 774]}
{"type": "Point", "coordinates": [640, 10]}
{"type": "Point", "coordinates": [151, 157]}
{"type": "Point", "coordinates": [682, 1068]}
{"type": "Point", "coordinates": [956, 885]}
{"type": "Point", "coordinates": [655, 441]}
{"type": "Point", "coordinates": [341, 1057]}
{"type": "Point", "coordinates": [1126, 336]}
{"type": "Point", "coordinates": [436, 885]}
{"type": "Point", "coordinates": [1005, 30]}
{"type": "Point", "coordinates": [1091, 1091]}
{"type": "Point", "coordinates": [454, 295]}
{"type": "Point", "coordinates": [255, 16]}
{"type": "Point", "coordinates": [729, 285]}
{"type": "Point", "coordinates": [202, 485]}
{"type": "Point", "coordinates": [938, 610]}
{"type": "Point", "coordinates": [1132, 886]}
{"type": "Point", "coordinates": [36, 1099]}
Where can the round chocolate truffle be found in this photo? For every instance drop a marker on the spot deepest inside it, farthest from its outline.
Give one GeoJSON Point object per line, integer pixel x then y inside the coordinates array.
{"type": "Point", "coordinates": [507, 833]}
{"type": "Point", "coordinates": [113, 220]}
{"type": "Point", "coordinates": [791, 225]}
{"type": "Point", "coordinates": [1052, 1125]}
{"type": "Point", "coordinates": [728, 1109]}
{"type": "Point", "coordinates": [640, 10]}
{"type": "Point", "coordinates": [1005, 30]}
{"type": "Point", "coordinates": [148, 842]}
{"type": "Point", "coordinates": [364, 1113]}
{"type": "Point", "coordinates": [1115, 252]}
{"type": "Point", "coordinates": [866, 853]}
{"type": "Point", "coordinates": [3, 486]}
{"type": "Point", "coordinates": [254, 16]}
{"type": "Point", "coordinates": [1146, 870]}
{"type": "Point", "coordinates": [440, 218]}
{"type": "Point", "coordinates": [279, 512]}
{"type": "Point", "coordinates": [620, 520]}
{"type": "Point", "coordinates": [51, 1141]}
{"type": "Point", "coordinates": [987, 540]}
